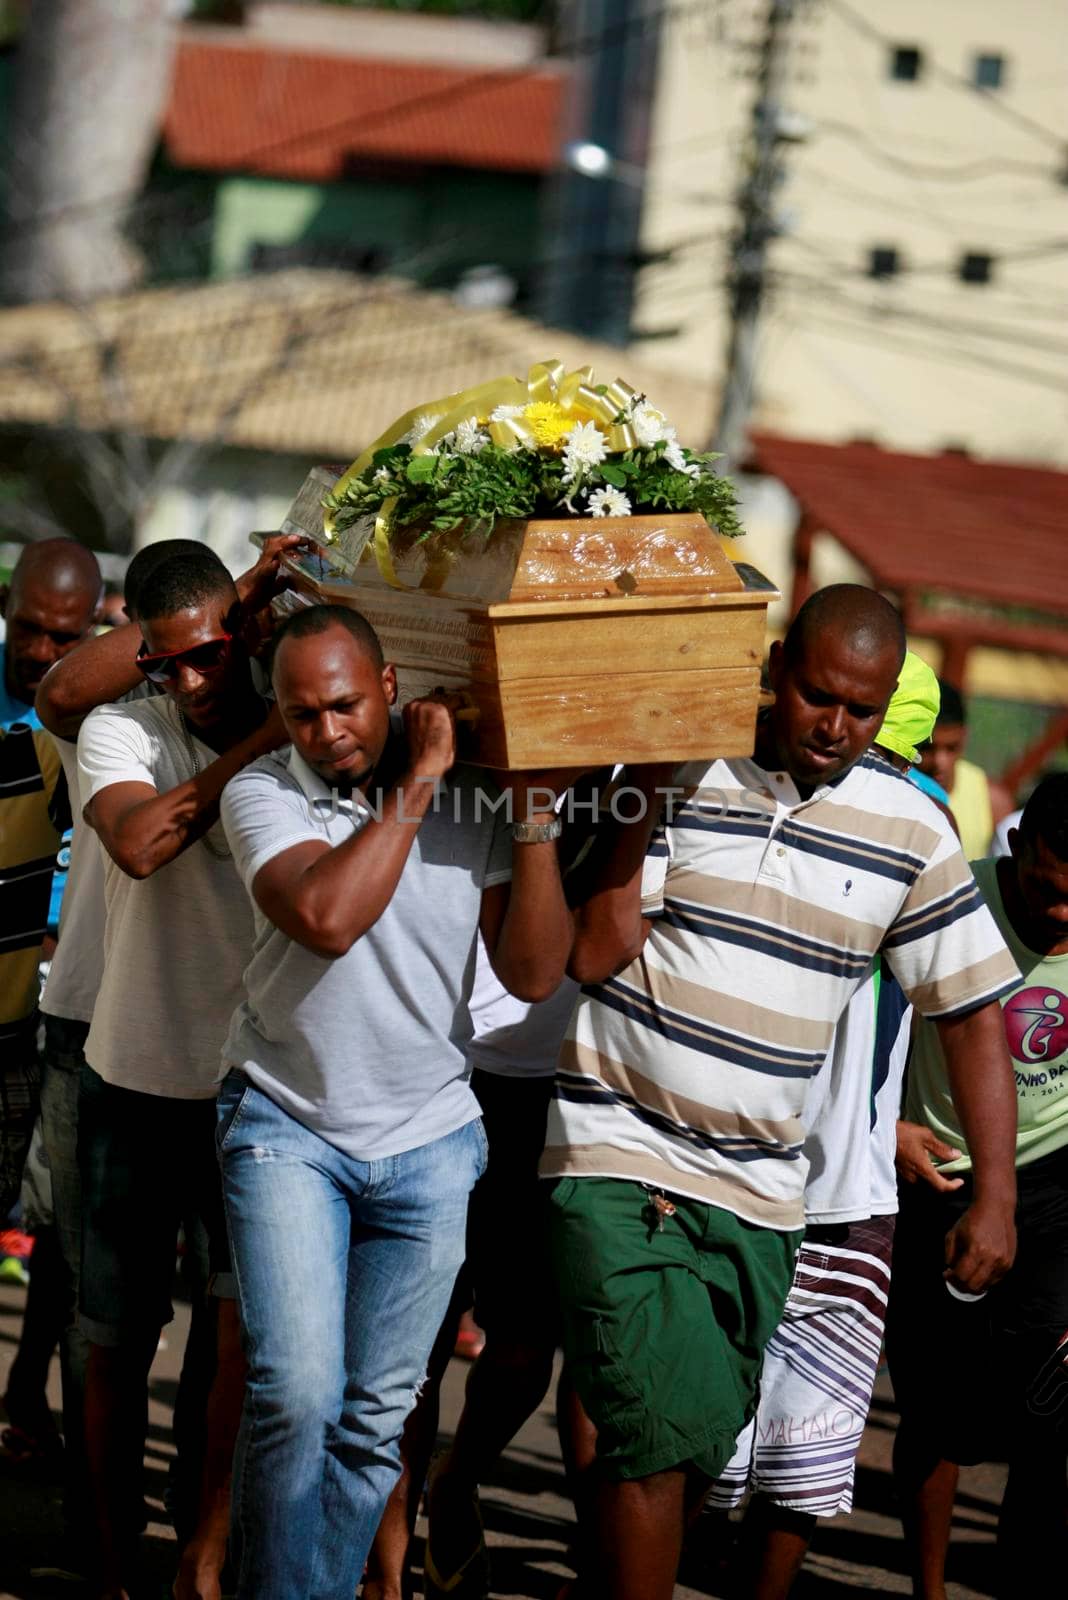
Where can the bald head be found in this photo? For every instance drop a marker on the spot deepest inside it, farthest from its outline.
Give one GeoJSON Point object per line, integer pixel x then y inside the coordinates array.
{"type": "Point", "coordinates": [833, 677]}
{"type": "Point", "coordinates": [856, 618]}
{"type": "Point", "coordinates": [50, 605]}
{"type": "Point", "coordinates": [62, 566]}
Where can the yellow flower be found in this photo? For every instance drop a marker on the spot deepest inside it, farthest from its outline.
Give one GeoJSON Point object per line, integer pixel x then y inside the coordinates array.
{"type": "Point", "coordinates": [549, 422]}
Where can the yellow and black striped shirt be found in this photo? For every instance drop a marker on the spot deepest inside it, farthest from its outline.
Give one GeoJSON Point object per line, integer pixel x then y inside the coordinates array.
{"type": "Point", "coordinates": [34, 811]}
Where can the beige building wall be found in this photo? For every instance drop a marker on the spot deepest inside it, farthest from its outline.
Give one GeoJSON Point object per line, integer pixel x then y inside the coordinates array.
{"type": "Point", "coordinates": [932, 168]}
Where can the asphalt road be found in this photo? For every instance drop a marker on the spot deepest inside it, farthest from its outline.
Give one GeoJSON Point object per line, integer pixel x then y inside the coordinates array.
{"type": "Point", "coordinates": [528, 1517]}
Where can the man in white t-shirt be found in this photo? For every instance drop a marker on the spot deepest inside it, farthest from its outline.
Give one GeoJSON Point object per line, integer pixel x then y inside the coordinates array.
{"type": "Point", "coordinates": [177, 936]}
{"type": "Point", "coordinates": [104, 671]}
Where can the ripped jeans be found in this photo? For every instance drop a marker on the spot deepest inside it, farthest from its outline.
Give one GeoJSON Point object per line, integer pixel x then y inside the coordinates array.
{"type": "Point", "coordinates": [344, 1270]}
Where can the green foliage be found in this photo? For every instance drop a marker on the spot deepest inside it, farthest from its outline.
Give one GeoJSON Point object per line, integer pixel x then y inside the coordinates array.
{"type": "Point", "coordinates": [441, 489]}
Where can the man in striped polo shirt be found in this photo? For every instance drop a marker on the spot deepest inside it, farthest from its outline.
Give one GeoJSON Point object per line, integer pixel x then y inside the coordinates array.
{"type": "Point", "coordinates": [717, 951]}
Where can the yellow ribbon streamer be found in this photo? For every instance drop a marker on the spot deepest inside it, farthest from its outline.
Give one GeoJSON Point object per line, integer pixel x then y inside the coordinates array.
{"type": "Point", "coordinates": [546, 382]}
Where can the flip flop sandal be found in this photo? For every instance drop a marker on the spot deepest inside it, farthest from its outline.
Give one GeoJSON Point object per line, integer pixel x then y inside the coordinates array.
{"type": "Point", "coordinates": [470, 1581]}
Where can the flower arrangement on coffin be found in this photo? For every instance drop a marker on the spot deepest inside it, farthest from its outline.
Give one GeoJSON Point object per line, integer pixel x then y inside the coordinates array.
{"type": "Point", "coordinates": [556, 445]}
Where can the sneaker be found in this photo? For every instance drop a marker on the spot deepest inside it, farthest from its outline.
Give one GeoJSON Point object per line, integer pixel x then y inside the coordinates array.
{"type": "Point", "coordinates": [13, 1242]}
{"type": "Point", "coordinates": [16, 1248]}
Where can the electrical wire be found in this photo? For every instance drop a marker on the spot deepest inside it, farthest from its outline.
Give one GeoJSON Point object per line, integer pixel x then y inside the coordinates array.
{"type": "Point", "coordinates": [947, 172]}
{"type": "Point", "coordinates": [475, 83]}
{"type": "Point", "coordinates": [865, 332]}
{"type": "Point", "coordinates": [890, 312]}
{"type": "Point", "coordinates": [956, 80]}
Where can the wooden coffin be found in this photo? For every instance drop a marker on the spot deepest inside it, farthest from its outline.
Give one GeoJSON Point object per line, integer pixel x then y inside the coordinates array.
{"type": "Point", "coordinates": [575, 642]}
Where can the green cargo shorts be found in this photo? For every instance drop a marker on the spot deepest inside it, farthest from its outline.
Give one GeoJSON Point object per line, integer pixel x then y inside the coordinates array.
{"type": "Point", "coordinates": [664, 1328]}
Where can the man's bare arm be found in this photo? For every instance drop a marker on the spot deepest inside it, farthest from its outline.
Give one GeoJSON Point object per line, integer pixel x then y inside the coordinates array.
{"type": "Point", "coordinates": [980, 1249]}
{"type": "Point", "coordinates": [526, 925]}
{"type": "Point", "coordinates": [326, 898]}
{"type": "Point", "coordinates": [96, 673]}
{"type": "Point", "coordinates": [102, 670]}
{"type": "Point", "coordinates": [610, 930]}
{"type": "Point", "coordinates": [142, 830]}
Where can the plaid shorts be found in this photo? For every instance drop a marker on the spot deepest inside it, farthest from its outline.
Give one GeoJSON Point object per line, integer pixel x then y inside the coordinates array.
{"type": "Point", "coordinates": [800, 1449]}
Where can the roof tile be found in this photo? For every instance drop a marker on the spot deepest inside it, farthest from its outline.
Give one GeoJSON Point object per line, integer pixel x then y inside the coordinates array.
{"type": "Point", "coordinates": [988, 530]}
{"type": "Point", "coordinates": [289, 115]}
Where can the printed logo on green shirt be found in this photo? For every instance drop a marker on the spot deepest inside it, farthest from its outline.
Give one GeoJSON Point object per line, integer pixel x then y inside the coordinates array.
{"type": "Point", "coordinates": [1036, 1025]}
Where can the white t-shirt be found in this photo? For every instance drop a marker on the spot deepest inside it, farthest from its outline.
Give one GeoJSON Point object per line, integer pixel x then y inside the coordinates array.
{"type": "Point", "coordinates": [176, 943]}
{"type": "Point", "coordinates": [78, 964]}
{"type": "Point", "coordinates": [852, 1108]}
{"type": "Point", "coordinates": [513, 1039]}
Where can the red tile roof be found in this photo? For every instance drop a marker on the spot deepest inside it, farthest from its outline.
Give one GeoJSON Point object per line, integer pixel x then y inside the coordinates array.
{"type": "Point", "coordinates": [982, 530]}
{"type": "Point", "coordinates": [284, 114]}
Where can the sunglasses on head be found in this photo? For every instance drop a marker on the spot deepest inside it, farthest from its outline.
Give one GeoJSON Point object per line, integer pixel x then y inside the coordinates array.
{"type": "Point", "coordinates": [201, 657]}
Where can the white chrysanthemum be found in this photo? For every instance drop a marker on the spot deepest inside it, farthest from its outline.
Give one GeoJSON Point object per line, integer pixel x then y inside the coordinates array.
{"type": "Point", "coordinates": [469, 437]}
{"type": "Point", "coordinates": [503, 413]}
{"type": "Point", "coordinates": [584, 447]}
{"type": "Point", "coordinates": [420, 427]}
{"type": "Point", "coordinates": [608, 502]}
{"type": "Point", "coordinates": [649, 424]}
{"type": "Point", "coordinates": [674, 457]}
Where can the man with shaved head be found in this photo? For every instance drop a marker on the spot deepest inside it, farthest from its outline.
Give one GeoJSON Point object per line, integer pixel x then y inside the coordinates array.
{"type": "Point", "coordinates": [723, 937]}
{"type": "Point", "coordinates": [348, 1133]}
{"type": "Point", "coordinates": [49, 606]}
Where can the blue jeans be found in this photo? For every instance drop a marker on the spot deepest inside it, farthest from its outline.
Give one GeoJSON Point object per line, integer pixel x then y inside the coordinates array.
{"type": "Point", "coordinates": [344, 1271]}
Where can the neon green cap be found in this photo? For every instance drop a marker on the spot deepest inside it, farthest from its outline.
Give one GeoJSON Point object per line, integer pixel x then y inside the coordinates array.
{"type": "Point", "coordinates": [913, 709]}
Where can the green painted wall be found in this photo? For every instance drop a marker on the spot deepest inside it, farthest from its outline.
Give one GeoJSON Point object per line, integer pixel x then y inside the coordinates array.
{"type": "Point", "coordinates": [429, 227]}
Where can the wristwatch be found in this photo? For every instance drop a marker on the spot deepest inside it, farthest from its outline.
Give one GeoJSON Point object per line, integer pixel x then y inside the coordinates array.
{"type": "Point", "coordinates": [536, 832]}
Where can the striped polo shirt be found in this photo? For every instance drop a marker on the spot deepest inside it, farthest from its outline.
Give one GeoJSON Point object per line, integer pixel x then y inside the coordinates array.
{"type": "Point", "coordinates": [688, 1069]}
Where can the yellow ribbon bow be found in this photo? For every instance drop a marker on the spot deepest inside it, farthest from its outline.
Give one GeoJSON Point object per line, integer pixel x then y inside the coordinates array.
{"type": "Point", "coordinates": [547, 382]}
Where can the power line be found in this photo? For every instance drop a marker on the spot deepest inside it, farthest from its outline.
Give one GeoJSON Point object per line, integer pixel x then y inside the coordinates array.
{"type": "Point", "coordinates": [475, 83]}
{"type": "Point", "coordinates": [1037, 250]}
{"type": "Point", "coordinates": [747, 273]}
{"type": "Point", "coordinates": [948, 172]}
{"type": "Point", "coordinates": [997, 333]}
{"type": "Point", "coordinates": [956, 80]}
{"type": "Point", "coordinates": [864, 331]}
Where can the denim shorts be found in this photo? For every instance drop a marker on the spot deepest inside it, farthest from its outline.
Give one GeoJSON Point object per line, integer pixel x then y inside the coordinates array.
{"type": "Point", "coordinates": [148, 1167]}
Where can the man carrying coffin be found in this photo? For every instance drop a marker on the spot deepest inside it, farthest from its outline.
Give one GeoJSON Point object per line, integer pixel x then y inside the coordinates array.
{"type": "Point", "coordinates": [718, 952]}
{"type": "Point", "coordinates": [349, 1136]}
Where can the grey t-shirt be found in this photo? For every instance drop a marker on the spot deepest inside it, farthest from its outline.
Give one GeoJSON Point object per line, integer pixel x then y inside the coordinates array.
{"type": "Point", "coordinates": [369, 1050]}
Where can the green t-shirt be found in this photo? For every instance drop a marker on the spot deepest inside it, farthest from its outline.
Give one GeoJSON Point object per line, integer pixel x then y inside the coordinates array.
{"type": "Point", "coordinates": [1036, 1027]}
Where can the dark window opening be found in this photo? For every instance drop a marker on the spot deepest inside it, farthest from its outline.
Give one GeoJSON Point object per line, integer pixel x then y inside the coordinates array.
{"type": "Point", "coordinates": [975, 268]}
{"type": "Point", "coordinates": [883, 261]}
{"type": "Point", "coordinates": [988, 71]}
{"type": "Point", "coordinates": [327, 254]}
{"type": "Point", "coordinates": [906, 63]}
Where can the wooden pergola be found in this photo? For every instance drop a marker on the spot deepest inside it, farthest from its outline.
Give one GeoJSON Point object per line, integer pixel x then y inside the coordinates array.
{"type": "Point", "coordinates": [974, 552]}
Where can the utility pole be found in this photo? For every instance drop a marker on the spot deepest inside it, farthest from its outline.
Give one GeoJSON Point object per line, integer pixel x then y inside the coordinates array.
{"type": "Point", "coordinates": [748, 266]}
{"type": "Point", "coordinates": [592, 221]}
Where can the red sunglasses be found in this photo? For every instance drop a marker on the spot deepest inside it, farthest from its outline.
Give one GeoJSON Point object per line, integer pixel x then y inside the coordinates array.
{"type": "Point", "coordinates": [204, 657]}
